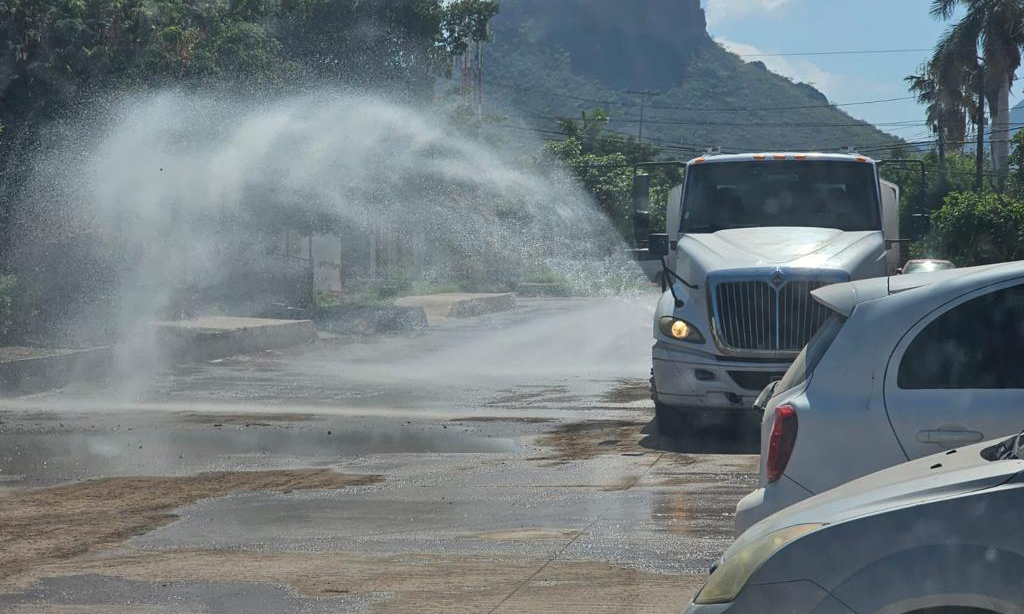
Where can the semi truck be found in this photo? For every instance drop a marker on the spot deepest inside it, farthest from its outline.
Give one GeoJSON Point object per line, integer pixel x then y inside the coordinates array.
{"type": "Point", "coordinates": [748, 237]}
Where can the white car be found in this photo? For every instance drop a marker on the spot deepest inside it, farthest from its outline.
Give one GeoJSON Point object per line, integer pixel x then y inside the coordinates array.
{"type": "Point", "coordinates": [926, 266]}
{"type": "Point", "coordinates": [936, 535]}
{"type": "Point", "coordinates": [904, 367]}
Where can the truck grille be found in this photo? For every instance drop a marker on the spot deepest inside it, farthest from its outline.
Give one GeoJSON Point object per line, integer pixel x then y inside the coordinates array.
{"type": "Point", "coordinates": [757, 315]}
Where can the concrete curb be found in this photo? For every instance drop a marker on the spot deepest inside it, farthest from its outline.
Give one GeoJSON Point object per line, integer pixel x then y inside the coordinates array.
{"type": "Point", "coordinates": [459, 305]}
{"type": "Point", "coordinates": [53, 369]}
{"type": "Point", "coordinates": [185, 341]}
{"type": "Point", "coordinates": [370, 319]}
{"type": "Point", "coordinates": [207, 338]}
{"type": "Point", "coordinates": [537, 290]}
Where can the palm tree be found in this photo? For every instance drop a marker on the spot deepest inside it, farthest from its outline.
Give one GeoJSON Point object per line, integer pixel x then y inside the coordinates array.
{"type": "Point", "coordinates": [995, 28]}
{"type": "Point", "coordinates": [946, 109]}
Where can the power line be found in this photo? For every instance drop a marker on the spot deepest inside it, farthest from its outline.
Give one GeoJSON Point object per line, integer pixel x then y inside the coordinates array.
{"type": "Point", "coordinates": [607, 101]}
{"type": "Point", "coordinates": [864, 51]}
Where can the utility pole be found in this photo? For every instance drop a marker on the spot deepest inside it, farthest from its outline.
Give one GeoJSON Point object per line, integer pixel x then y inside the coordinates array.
{"type": "Point", "coordinates": [644, 95]}
{"type": "Point", "coordinates": [473, 77]}
{"type": "Point", "coordinates": [979, 162]}
{"type": "Point", "coordinates": [942, 145]}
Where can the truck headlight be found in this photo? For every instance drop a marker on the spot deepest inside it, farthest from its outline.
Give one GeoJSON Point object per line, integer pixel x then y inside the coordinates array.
{"type": "Point", "coordinates": [731, 576]}
{"type": "Point", "coordinates": [681, 330]}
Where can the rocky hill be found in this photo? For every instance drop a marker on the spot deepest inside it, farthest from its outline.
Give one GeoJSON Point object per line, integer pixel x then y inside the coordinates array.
{"type": "Point", "coordinates": [553, 59]}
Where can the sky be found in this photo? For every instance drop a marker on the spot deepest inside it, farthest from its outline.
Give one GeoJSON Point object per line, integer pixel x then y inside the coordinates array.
{"type": "Point", "coordinates": [753, 27]}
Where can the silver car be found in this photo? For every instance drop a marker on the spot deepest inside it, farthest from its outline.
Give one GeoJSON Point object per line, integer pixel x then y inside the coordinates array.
{"type": "Point", "coordinates": [940, 534]}
{"type": "Point", "coordinates": [905, 366]}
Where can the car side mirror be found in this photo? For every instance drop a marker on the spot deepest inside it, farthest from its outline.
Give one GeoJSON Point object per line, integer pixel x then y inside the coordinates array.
{"type": "Point", "coordinates": [657, 244]}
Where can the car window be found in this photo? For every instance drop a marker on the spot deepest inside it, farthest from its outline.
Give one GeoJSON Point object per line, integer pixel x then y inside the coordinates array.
{"type": "Point", "coordinates": [976, 344]}
{"type": "Point", "coordinates": [811, 355]}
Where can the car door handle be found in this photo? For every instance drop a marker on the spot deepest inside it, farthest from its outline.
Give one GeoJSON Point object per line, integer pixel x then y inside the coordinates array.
{"type": "Point", "coordinates": [949, 436]}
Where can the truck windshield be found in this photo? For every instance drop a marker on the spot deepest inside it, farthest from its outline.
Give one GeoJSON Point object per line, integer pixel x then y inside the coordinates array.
{"type": "Point", "coordinates": [824, 194]}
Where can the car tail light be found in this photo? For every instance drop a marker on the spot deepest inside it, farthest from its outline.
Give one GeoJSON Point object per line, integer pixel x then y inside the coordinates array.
{"type": "Point", "coordinates": [781, 442]}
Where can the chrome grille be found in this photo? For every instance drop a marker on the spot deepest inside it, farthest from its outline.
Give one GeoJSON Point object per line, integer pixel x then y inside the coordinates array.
{"type": "Point", "coordinates": [755, 315]}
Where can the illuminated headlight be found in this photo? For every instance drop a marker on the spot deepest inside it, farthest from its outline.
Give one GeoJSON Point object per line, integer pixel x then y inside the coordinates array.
{"type": "Point", "coordinates": [731, 576]}
{"type": "Point", "coordinates": [680, 330]}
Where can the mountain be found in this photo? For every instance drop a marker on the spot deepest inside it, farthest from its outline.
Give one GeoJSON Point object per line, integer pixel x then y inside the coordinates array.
{"type": "Point", "coordinates": [1017, 117]}
{"type": "Point", "coordinates": [553, 59]}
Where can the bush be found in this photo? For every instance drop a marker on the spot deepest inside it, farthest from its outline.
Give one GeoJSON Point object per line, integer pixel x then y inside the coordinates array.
{"type": "Point", "coordinates": [972, 228]}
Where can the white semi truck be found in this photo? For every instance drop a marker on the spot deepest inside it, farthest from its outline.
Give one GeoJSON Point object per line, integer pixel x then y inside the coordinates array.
{"type": "Point", "coordinates": [748, 238]}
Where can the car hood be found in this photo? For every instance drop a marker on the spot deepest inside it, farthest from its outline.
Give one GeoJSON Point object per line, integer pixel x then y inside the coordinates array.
{"type": "Point", "coordinates": [813, 248]}
{"type": "Point", "coordinates": [933, 477]}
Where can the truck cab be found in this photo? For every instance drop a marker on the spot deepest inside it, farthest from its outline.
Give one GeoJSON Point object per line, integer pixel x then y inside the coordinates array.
{"type": "Point", "coordinates": [749, 236]}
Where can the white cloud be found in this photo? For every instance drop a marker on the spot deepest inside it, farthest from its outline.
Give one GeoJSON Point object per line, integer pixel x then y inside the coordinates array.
{"type": "Point", "coordinates": [723, 10]}
{"type": "Point", "coordinates": [797, 69]}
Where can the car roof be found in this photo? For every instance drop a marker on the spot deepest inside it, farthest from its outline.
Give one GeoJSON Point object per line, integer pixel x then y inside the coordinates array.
{"type": "Point", "coordinates": [842, 298]}
{"type": "Point", "coordinates": [923, 260]}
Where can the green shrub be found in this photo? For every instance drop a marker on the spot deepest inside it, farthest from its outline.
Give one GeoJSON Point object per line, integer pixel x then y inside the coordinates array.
{"type": "Point", "coordinates": [972, 228]}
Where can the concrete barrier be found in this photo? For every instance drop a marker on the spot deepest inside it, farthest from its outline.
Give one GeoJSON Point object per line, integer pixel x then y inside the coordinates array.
{"type": "Point", "coordinates": [209, 337]}
{"type": "Point", "coordinates": [459, 305]}
{"type": "Point", "coordinates": [542, 290]}
{"type": "Point", "coordinates": [27, 370]}
{"type": "Point", "coordinates": [370, 319]}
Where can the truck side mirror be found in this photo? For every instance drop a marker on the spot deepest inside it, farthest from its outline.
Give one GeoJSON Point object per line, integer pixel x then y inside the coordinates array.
{"type": "Point", "coordinates": [641, 194]}
{"type": "Point", "coordinates": [657, 244]}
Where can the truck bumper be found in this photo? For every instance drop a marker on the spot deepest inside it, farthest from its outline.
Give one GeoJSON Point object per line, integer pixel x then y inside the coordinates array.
{"type": "Point", "coordinates": [695, 380]}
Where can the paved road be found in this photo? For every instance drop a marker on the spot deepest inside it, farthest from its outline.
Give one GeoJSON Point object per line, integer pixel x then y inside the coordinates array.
{"type": "Point", "coordinates": [506, 463]}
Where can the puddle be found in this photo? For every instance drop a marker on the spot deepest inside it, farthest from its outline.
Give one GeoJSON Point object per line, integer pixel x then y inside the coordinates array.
{"type": "Point", "coordinates": [38, 458]}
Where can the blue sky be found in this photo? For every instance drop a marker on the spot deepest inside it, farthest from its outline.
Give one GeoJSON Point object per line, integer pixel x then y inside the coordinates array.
{"type": "Point", "coordinates": [785, 26]}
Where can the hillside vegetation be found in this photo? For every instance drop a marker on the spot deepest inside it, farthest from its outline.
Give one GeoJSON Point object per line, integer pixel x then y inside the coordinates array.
{"type": "Point", "coordinates": [556, 59]}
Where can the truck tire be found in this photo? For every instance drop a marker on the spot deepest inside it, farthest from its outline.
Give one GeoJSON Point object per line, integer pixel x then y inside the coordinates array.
{"type": "Point", "coordinates": [672, 422]}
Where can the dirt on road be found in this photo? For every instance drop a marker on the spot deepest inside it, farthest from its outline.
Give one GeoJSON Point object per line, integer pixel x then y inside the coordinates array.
{"type": "Point", "coordinates": [44, 525]}
{"type": "Point", "coordinates": [408, 583]}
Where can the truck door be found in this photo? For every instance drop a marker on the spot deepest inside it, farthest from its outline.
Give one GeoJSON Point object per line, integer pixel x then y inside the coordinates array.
{"type": "Point", "coordinates": [957, 376]}
{"type": "Point", "coordinates": [891, 223]}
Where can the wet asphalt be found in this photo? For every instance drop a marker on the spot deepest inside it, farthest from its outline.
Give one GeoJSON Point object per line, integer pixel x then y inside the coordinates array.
{"type": "Point", "coordinates": [517, 468]}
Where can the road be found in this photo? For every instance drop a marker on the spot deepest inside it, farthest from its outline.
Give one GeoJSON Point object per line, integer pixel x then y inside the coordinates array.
{"type": "Point", "coordinates": [506, 463]}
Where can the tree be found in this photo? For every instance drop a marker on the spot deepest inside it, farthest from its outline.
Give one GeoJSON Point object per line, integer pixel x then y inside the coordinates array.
{"type": "Point", "coordinates": [604, 163]}
{"type": "Point", "coordinates": [973, 228]}
{"type": "Point", "coordinates": [996, 27]}
{"type": "Point", "coordinates": [946, 113]}
{"type": "Point", "coordinates": [57, 54]}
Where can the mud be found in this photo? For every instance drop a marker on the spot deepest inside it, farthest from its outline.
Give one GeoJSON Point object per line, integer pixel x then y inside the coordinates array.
{"type": "Point", "coordinates": [260, 419]}
{"type": "Point", "coordinates": [402, 583]}
{"type": "Point", "coordinates": [585, 440]}
{"type": "Point", "coordinates": [628, 391]}
{"type": "Point", "coordinates": [524, 534]}
{"type": "Point", "coordinates": [39, 526]}
{"type": "Point", "coordinates": [531, 396]}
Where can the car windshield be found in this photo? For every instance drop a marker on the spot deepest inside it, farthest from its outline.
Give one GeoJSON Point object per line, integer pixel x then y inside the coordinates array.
{"type": "Point", "coordinates": [818, 193]}
{"type": "Point", "coordinates": [1009, 449]}
{"type": "Point", "coordinates": [805, 363]}
{"type": "Point", "coordinates": [927, 266]}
